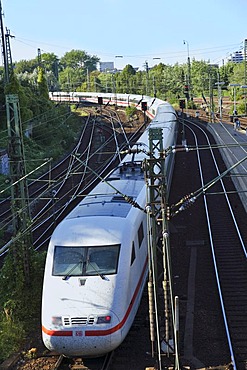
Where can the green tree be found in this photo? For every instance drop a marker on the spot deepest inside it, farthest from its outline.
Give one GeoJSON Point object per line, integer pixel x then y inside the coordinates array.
{"type": "Point", "coordinates": [76, 59]}
{"type": "Point", "coordinates": [76, 66]}
{"type": "Point", "coordinates": [128, 71]}
{"type": "Point", "coordinates": [199, 77]}
{"type": "Point", "coordinates": [27, 66]}
{"type": "Point", "coordinates": [42, 84]}
{"type": "Point", "coordinates": [70, 79]}
{"type": "Point", "coordinates": [14, 87]}
{"type": "Point", "coordinates": [50, 62]}
{"type": "Point", "coordinates": [140, 83]}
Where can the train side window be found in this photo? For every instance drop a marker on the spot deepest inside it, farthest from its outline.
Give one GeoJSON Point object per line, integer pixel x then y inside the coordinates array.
{"type": "Point", "coordinates": [133, 254]}
{"type": "Point", "coordinates": [140, 234]}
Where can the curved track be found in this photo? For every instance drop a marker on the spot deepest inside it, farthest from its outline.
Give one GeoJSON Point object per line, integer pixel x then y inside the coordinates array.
{"type": "Point", "coordinates": [221, 222]}
{"type": "Point", "coordinates": [214, 226]}
{"type": "Point", "coordinates": [99, 158]}
{"type": "Point", "coordinates": [55, 193]}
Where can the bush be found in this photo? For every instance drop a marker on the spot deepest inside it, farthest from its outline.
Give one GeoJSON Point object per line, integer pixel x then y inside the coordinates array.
{"type": "Point", "coordinates": [11, 334]}
{"type": "Point", "coordinates": [240, 108]}
{"type": "Point", "coordinates": [19, 303]}
{"type": "Point", "coordinates": [130, 111]}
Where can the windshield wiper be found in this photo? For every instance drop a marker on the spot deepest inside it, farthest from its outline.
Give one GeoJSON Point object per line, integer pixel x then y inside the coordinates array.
{"type": "Point", "coordinates": [103, 277]}
{"type": "Point", "coordinates": [71, 270]}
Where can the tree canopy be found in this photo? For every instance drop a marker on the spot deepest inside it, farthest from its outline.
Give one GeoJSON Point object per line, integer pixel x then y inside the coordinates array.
{"type": "Point", "coordinates": [76, 70]}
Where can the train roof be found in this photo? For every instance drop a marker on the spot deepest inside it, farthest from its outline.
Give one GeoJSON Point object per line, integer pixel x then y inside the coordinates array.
{"type": "Point", "coordinates": [110, 197]}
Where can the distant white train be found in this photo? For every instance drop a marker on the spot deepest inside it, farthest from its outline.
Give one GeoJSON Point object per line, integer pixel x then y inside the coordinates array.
{"type": "Point", "coordinates": [123, 100]}
{"type": "Point", "coordinates": [97, 260]}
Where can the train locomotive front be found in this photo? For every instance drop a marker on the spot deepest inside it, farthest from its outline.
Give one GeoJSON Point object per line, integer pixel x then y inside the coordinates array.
{"type": "Point", "coordinates": [97, 261]}
{"type": "Point", "coordinates": [95, 271]}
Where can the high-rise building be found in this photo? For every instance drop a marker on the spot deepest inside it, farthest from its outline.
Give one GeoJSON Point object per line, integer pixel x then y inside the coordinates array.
{"type": "Point", "coordinates": [106, 67]}
{"type": "Point", "coordinates": [237, 57]}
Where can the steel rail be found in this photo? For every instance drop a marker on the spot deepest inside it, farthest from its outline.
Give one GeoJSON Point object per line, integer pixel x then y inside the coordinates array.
{"type": "Point", "coordinates": [59, 186]}
{"type": "Point", "coordinates": [43, 189]}
{"type": "Point", "coordinates": [229, 147]}
{"type": "Point", "coordinates": [212, 242]}
{"type": "Point", "coordinates": [225, 193]}
{"type": "Point", "coordinates": [100, 172]}
{"type": "Point", "coordinates": [36, 224]}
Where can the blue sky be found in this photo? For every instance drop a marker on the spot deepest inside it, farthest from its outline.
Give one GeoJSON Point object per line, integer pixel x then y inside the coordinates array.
{"type": "Point", "coordinates": [137, 30]}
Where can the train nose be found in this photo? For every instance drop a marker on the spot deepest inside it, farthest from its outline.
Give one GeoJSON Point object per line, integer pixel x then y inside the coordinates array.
{"type": "Point", "coordinates": [80, 345]}
{"type": "Point", "coordinates": [75, 336]}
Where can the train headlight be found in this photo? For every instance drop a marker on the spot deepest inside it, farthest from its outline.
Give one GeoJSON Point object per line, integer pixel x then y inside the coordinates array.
{"type": "Point", "coordinates": [57, 320]}
{"type": "Point", "coordinates": [104, 319]}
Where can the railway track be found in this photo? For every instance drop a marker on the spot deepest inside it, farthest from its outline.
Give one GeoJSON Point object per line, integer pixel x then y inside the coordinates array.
{"type": "Point", "coordinates": [206, 232]}
{"type": "Point", "coordinates": [79, 177]}
{"type": "Point", "coordinates": [54, 193]}
{"type": "Point", "coordinates": [228, 234]}
{"type": "Point", "coordinates": [59, 362]}
{"type": "Point", "coordinates": [104, 141]}
{"type": "Point", "coordinates": [42, 189]}
{"type": "Point", "coordinates": [133, 354]}
{"type": "Point", "coordinates": [216, 236]}
{"type": "Point", "coordinates": [226, 117]}
{"type": "Point", "coordinates": [101, 363]}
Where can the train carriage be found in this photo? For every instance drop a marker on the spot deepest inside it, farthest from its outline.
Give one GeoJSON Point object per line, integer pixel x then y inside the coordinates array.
{"type": "Point", "coordinates": [97, 259]}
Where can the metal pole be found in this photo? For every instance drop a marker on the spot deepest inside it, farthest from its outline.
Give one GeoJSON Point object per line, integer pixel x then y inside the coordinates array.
{"type": "Point", "coordinates": [147, 82]}
{"type": "Point", "coordinates": [211, 99]}
{"type": "Point", "coordinates": [219, 97]}
{"type": "Point", "coordinates": [177, 366]}
{"type": "Point", "coordinates": [234, 97]}
{"type": "Point", "coordinates": [189, 71]}
{"type": "Point", "coordinates": [220, 102]}
{"type": "Point", "coordinates": [234, 104]}
{"type": "Point", "coordinates": [183, 133]}
{"type": "Point", "coordinates": [5, 60]}
{"type": "Point", "coordinates": [21, 215]}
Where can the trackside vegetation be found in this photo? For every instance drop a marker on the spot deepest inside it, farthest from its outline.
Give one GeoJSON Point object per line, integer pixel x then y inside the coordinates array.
{"type": "Point", "coordinates": [77, 71]}
{"type": "Point", "coordinates": [50, 130]}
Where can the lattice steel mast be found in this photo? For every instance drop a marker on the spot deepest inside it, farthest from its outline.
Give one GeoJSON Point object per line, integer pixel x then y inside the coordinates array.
{"type": "Point", "coordinates": [3, 47]}
{"type": "Point", "coordinates": [162, 314]}
{"type": "Point", "coordinates": [19, 189]}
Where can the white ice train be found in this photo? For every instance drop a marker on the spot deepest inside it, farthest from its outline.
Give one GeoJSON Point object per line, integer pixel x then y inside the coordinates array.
{"type": "Point", "coordinates": [97, 261]}
{"type": "Point", "coordinates": [121, 100]}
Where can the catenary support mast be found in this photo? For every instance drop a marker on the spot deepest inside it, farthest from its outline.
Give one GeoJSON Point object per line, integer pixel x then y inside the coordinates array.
{"type": "Point", "coordinates": [19, 189]}
{"type": "Point", "coordinates": [3, 47]}
{"type": "Point", "coordinates": [161, 311]}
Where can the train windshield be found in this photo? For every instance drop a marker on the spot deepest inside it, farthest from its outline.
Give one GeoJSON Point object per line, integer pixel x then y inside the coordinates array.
{"type": "Point", "coordinates": [85, 261]}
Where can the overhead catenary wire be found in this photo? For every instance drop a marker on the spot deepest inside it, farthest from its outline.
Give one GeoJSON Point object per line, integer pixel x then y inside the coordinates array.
{"type": "Point", "coordinates": [189, 199]}
{"type": "Point", "coordinates": [38, 219]}
{"type": "Point", "coordinates": [126, 197]}
{"type": "Point", "coordinates": [24, 177]}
